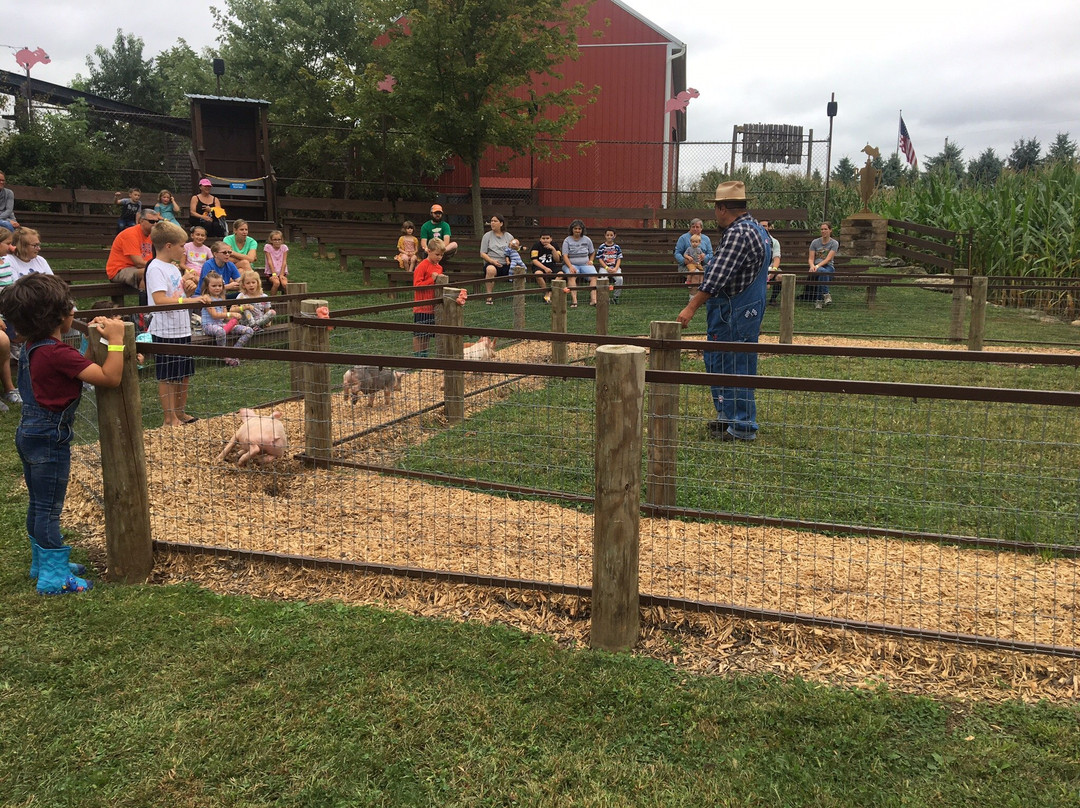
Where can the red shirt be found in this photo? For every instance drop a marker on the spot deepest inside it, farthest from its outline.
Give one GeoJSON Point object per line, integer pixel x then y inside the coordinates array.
{"type": "Point", "coordinates": [129, 241]}
{"type": "Point", "coordinates": [54, 374]}
{"type": "Point", "coordinates": [424, 275]}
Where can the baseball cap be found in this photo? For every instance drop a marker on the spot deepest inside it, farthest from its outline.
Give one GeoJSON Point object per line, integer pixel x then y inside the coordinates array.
{"type": "Point", "coordinates": [205, 181]}
{"type": "Point", "coordinates": [436, 208]}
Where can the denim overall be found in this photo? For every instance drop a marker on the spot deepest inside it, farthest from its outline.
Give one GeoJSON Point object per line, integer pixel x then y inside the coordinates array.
{"type": "Point", "coordinates": [738, 319]}
{"type": "Point", "coordinates": [43, 439]}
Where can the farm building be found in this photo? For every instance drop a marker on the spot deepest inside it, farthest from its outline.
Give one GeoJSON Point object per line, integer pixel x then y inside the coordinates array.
{"type": "Point", "coordinates": [633, 160]}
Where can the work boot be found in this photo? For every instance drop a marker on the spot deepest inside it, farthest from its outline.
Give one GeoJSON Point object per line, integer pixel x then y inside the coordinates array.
{"type": "Point", "coordinates": [54, 576]}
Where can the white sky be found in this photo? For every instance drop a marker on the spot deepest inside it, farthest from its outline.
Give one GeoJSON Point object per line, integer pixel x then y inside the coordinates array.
{"type": "Point", "coordinates": [980, 74]}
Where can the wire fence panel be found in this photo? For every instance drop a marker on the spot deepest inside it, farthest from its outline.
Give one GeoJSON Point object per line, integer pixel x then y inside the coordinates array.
{"type": "Point", "coordinates": [929, 511]}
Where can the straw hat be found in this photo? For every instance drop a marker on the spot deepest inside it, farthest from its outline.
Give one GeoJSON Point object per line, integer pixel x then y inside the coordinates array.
{"type": "Point", "coordinates": [730, 191]}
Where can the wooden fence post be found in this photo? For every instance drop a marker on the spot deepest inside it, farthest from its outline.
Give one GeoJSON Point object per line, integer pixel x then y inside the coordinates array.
{"type": "Point", "coordinates": [441, 282]}
{"type": "Point", "coordinates": [453, 380]}
{"type": "Point", "coordinates": [959, 295]}
{"type": "Point", "coordinates": [787, 308]}
{"type": "Point", "coordinates": [620, 394]}
{"type": "Point", "coordinates": [296, 369]}
{"type": "Point", "coordinates": [128, 548]}
{"type": "Point", "coordinates": [519, 298]}
{"type": "Point", "coordinates": [603, 290]}
{"type": "Point", "coordinates": [558, 320]}
{"type": "Point", "coordinates": [977, 326]}
{"type": "Point", "coordinates": [663, 424]}
{"type": "Point", "coordinates": [318, 428]}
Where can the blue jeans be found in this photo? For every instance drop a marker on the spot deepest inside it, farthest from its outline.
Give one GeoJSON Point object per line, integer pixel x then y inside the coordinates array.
{"type": "Point", "coordinates": [820, 283]}
{"type": "Point", "coordinates": [737, 320]}
{"type": "Point", "coordinates": [43, 440]}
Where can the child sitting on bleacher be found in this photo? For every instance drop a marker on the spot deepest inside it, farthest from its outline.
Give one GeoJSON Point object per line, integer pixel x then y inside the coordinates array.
{"type": "Point", "coordinates": [255, 315]}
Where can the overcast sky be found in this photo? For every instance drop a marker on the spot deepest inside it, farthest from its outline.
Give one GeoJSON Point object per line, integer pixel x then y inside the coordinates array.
{"type": "Point", "coordinates": [977, 73]}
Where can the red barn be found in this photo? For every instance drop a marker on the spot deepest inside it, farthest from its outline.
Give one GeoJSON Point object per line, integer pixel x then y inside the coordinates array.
{"type": "Point", "coordinates": [633, 160]}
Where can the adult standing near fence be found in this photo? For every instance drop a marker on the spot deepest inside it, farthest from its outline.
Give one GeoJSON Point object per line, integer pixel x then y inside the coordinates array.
{"type": "Point", "coordinates": [733, 293]}
{"type": "Point", "coordinates": [493, 248]}
{"type": "Point", "coordinates": [435, 227]}
{"type": "Point", "coordinates": [683, 244]}
{"type": "Point", "coordinates": [822, 252]}
{"type": "Point", "coordinates": [7, 205]}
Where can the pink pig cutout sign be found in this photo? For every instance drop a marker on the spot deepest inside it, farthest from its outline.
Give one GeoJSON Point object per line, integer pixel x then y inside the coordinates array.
{"type": "Point", "coordinates": [27, 58]}
{"type": "Point", "coordinates": [680, 101]}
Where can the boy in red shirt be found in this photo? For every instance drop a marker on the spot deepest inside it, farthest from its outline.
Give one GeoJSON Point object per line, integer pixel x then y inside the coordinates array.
{"type": "Point", "coordinates": [424, 275]}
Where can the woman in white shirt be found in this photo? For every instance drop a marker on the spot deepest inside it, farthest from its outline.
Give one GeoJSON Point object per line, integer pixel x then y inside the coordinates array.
{"type": "Point", "coordinates": [27, 258]}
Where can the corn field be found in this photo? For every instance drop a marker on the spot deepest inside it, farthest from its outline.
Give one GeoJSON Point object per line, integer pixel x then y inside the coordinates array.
{"type": "Point", "coordinates": [1026, 224]}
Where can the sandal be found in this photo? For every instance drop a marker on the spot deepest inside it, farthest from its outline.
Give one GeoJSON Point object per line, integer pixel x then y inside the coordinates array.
{"type": "Point", "coordinates": [490, 302]}
{"type": "Point", "coordinates": [573, 305]}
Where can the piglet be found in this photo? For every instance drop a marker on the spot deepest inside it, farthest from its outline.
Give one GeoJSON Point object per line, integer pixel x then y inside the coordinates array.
{"type": "Point", "coordinates": [483, 350]}
{"type": "Point", "coordinates": [367, 380]}
{"type": "Point", "coordinates": [260, 436]}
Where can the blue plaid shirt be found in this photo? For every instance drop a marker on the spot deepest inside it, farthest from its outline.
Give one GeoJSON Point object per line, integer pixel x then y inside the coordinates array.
{"type": "Point", "coordinates": [737, 259]}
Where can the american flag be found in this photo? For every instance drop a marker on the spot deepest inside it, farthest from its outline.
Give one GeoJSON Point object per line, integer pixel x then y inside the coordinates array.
{"type": "Point", "coordinates": [905, 145]}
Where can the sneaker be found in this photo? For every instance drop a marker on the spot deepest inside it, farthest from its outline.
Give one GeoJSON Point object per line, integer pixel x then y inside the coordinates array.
{"type": "Point", "coordinates": [817, 304]}
{"type": "Point", "coordinates": [12, 397]}
{"type": "Point", "coordinates": [547, 297]}
{"type": "Point", "coordinates": [827, 300]}
{"type": "Point", "coordinates": [233, 363]}
{"type": "Point", "coordinates": [3, 407]}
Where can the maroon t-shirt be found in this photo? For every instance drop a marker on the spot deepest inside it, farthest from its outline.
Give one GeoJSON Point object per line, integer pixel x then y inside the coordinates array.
{"type": "Point", "coordinates": [54, 372]}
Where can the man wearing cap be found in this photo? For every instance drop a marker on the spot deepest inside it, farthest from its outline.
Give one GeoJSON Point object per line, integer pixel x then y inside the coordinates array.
{"type": "Point", "coordinates": [132, 251]}
{"type": "Point", "coordinates": [733, 293]}
{"type": "Point", "coordinates": [435, 227]}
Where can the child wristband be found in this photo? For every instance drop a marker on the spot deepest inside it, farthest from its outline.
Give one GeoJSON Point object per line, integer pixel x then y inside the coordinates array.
{"type": "Point", "coordinates": [181, 299]}
{"type": "Point", "coordinates": [115, 348]}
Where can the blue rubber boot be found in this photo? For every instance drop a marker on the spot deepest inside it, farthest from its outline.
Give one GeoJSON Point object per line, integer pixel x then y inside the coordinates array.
{"type": "Point", "coordinates": [76, 569]}
{"type": "Point", "coordinates": [54, 575]}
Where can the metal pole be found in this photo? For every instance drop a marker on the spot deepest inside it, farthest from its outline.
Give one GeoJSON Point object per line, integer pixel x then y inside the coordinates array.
{"type": "Point", "coordinates": [830, 110]}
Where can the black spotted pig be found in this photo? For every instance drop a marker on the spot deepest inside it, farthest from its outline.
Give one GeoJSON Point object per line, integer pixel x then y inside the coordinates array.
{"type": "Point", "coordinates": [367, 380]}
{"type": "Point", "coordinates": [260, 436]}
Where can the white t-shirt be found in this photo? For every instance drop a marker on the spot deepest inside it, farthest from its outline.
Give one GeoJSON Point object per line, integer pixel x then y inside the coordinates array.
{"type": "Point", "coordinates": [19, 268]}
{"type": "Point", "coordinates": [162, 277]}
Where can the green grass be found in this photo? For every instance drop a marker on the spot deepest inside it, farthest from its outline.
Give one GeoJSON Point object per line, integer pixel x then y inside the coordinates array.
{"type": "Point", "coordinates": [172, 695]}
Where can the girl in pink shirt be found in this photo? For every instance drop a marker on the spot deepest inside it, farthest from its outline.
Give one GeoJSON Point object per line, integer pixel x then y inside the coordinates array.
{"type": "Point", "coordinates": [277, 264]}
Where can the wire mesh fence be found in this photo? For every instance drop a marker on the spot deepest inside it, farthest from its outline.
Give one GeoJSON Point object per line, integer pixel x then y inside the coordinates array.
{"type": "Point", "coordinates": [929, 495]}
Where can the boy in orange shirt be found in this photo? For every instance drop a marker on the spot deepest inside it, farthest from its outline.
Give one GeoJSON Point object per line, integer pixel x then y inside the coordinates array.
{"type": "Point", "coordinates": [424, 275]}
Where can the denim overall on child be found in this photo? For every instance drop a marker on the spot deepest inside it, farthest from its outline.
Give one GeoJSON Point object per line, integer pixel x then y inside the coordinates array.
{"type": "Point", "coordinates": [738, 319]}
{"type": "Point", "coordinates": [43, 440]}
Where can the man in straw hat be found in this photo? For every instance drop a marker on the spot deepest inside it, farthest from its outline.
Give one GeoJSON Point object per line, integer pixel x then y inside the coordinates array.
{"type": "Point", "coordinates": [733, 293]}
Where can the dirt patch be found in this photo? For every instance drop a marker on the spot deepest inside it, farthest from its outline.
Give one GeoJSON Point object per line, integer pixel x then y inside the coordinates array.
{"type": "Point", "coordinates": [353, 515]}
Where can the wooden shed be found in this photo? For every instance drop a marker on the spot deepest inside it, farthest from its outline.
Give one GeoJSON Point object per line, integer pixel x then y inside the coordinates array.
{"type": "Point", "coordinates": [230, 145]}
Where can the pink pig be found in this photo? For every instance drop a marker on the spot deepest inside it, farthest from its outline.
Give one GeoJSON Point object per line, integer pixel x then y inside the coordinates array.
{"type": "Point", "coordinates": [483, 350]}
{"type": "Point", "coordinates": [258, 433]}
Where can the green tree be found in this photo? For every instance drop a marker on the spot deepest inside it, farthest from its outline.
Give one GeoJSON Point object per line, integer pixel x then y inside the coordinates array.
{"type": "Point", "coordinates": [892, 171]}
{"type": "Point", "coordinates": [1062, 150]}
{"type": "Point", "coordinates": [844, 172]}
{"type": "Point", "coordinates": [948, 162]}
{"type": "Point", "coordinates": [293, 53]}
{"type": "Point", "coordinates": [178, 71]}
{"type": "Point", "coordinates": [985, 170]}
{"type": "Point", "coordinates": [62, 151]}
{"type": "Point", "coordinates": [1025, 155]}
{"type": "Point", "coordinates": [460, 65]}
{"type": "Point", "coordinates": [122, 74]}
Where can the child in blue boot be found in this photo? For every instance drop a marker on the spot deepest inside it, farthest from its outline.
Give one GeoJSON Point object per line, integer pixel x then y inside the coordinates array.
{"type": "Point", "coordinates": [51, 374]}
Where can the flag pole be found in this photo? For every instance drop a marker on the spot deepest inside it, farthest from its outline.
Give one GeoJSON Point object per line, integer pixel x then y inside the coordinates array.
{"type": "Point", "coordinates": [896, 145]}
